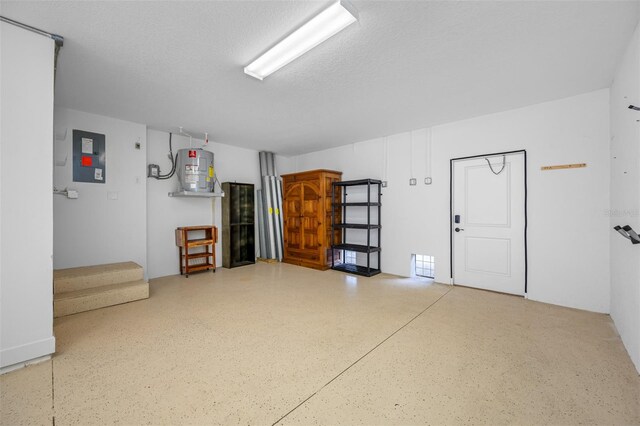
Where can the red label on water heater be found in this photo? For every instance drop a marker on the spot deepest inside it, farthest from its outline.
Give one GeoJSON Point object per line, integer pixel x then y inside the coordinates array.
{"type": "Point", "coordinates": [192, 153]}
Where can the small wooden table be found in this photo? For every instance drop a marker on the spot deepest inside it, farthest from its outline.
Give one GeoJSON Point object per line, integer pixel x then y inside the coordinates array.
{"type": "Point", "coordinates": [186, 244]}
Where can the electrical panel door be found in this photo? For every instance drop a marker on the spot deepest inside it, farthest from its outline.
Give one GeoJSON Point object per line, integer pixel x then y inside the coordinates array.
{"type": "Point", "coordinates": [89, 157]}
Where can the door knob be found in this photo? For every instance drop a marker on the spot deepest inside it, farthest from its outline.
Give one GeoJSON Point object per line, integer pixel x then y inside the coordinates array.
{"type": "Point", "coordinates": [458, 229]}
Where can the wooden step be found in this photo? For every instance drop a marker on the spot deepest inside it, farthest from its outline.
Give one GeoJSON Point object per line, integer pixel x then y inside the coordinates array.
{"type": "Point", "coordinates": [72, 302]}
{"type": "Point", "coordinates": [73, 279]}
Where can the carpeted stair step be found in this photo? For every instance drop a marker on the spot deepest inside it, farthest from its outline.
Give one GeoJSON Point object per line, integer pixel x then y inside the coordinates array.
{"type": "Point", "coordinates": [71, 302]}
{"type": "Point", "coordinates": [73, 279]}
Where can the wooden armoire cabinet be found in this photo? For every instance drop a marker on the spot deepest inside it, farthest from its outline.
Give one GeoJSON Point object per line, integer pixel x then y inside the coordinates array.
{"type": "Point", "coordinates": [307, 218]}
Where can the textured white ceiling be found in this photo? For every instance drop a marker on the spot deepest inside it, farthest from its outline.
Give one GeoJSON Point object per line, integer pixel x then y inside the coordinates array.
{"type": "Point", "coordinates": [404, 65]}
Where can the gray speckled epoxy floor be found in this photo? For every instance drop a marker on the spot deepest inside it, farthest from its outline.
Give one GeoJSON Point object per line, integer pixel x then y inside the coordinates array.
{"type": "Point", "coordinates": [263, 343]}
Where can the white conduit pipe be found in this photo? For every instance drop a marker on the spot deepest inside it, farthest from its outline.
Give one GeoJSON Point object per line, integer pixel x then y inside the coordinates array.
{"type": "Point", "coordinates": [428, 178]}
{"type": "Point", "coordinates": [57, 38]}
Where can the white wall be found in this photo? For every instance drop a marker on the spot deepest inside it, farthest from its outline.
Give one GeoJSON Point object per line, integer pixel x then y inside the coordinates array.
{"type": "Point", "coordinates": [625, 198]}
{"type": "Point", "coordinates": [166, 213]}
{"type": "Point", "coordinates": [568, 226]}
{"type": "Point", "coordinates": [26, 122]}
{"type": "Point", "coordinates": [139, 225]}
{"type": "Point", "coordinates": [95, 229]}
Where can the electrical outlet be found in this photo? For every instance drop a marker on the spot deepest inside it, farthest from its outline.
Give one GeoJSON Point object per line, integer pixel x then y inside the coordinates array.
{"type": "Point", "coordinates": [427, 181]}
{"type": "Point", "coordinates": [154, 171]}
{"type": "Point", "coordinates": [138, 145]}
{"type": "Point", "coordinates": [384, 183]}
{"type": "Point", "coordinates": [413, 181]}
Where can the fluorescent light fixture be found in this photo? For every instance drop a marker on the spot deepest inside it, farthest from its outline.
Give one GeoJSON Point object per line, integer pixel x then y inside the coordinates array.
{"type": "Point", "coordinates": [327, 23]}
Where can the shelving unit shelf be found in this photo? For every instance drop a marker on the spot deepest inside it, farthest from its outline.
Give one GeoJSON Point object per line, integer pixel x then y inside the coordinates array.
{"type": "Point", "coordinates": [185, 244]}
{"type": "Point", "coordinates": [340, 203]}
{"type": "Point", "coordinates": [356, 226]}
{"type": "Point", "coordinates": [356, 247]}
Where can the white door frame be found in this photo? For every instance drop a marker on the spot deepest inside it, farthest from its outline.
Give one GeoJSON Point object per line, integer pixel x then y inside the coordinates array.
{"type": "Point", "coordinates": [526, 260]}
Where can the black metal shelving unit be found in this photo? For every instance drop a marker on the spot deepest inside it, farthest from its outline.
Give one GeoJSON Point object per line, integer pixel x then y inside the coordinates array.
{"type": "Point", "coordinates": [238, 225]}
{"type": "Point", "coordinates": [373, 211]}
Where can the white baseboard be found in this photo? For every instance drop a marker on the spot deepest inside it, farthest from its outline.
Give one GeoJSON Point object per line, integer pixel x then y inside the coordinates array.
{"type": "Point", "coordinates": [26, 353]}
{"type": "Point", "coordinates": [20, 365]}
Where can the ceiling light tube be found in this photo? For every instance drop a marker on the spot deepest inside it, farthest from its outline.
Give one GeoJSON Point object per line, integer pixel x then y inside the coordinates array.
{"type": "Point", "coordinates": [321, 27]}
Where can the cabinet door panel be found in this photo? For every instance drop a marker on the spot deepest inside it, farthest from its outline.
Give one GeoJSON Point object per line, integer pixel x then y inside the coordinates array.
{"type": "Point", "coordinates": [310, 225]}
{"type": "Point", "coordinates": [292, 217]}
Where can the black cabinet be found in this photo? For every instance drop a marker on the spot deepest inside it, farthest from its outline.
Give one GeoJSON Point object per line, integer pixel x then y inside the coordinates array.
{"type": "Point", "coordinates": [355, 215]}
{"type": "Point", "coordinates": [238, 224]}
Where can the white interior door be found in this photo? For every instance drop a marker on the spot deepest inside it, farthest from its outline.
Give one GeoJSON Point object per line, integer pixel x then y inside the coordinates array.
{"type": "Point", "coordinates": [489, 236]}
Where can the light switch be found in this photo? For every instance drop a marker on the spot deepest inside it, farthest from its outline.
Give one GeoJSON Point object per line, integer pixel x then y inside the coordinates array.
{"type": "Point", "coordinates": [112, 195]}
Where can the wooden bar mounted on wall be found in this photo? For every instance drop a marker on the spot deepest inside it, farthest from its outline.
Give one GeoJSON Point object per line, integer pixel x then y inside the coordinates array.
{"type": "Point", "coordinates": [564, 166]}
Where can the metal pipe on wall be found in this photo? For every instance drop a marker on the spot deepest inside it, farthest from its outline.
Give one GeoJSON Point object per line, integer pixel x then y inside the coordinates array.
{"type": "Point", "coordinates": [261, 244]}
{"type": "Point", "coordinates": [271, 236]}
{"type": "Point", "coordinates": [59, 40]}
{"type": "Point", "coordinates": [267, 197]}
{"type": "Point", "coordinates": [279, 218]}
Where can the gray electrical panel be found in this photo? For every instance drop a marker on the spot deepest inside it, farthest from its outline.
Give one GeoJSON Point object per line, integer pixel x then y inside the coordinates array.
{"type": "Point", "coordinates": [89, 157]}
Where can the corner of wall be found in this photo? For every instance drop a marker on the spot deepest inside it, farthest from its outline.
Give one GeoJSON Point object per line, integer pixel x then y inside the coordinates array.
{"type": "Point", "coordinates": [625, 198]}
